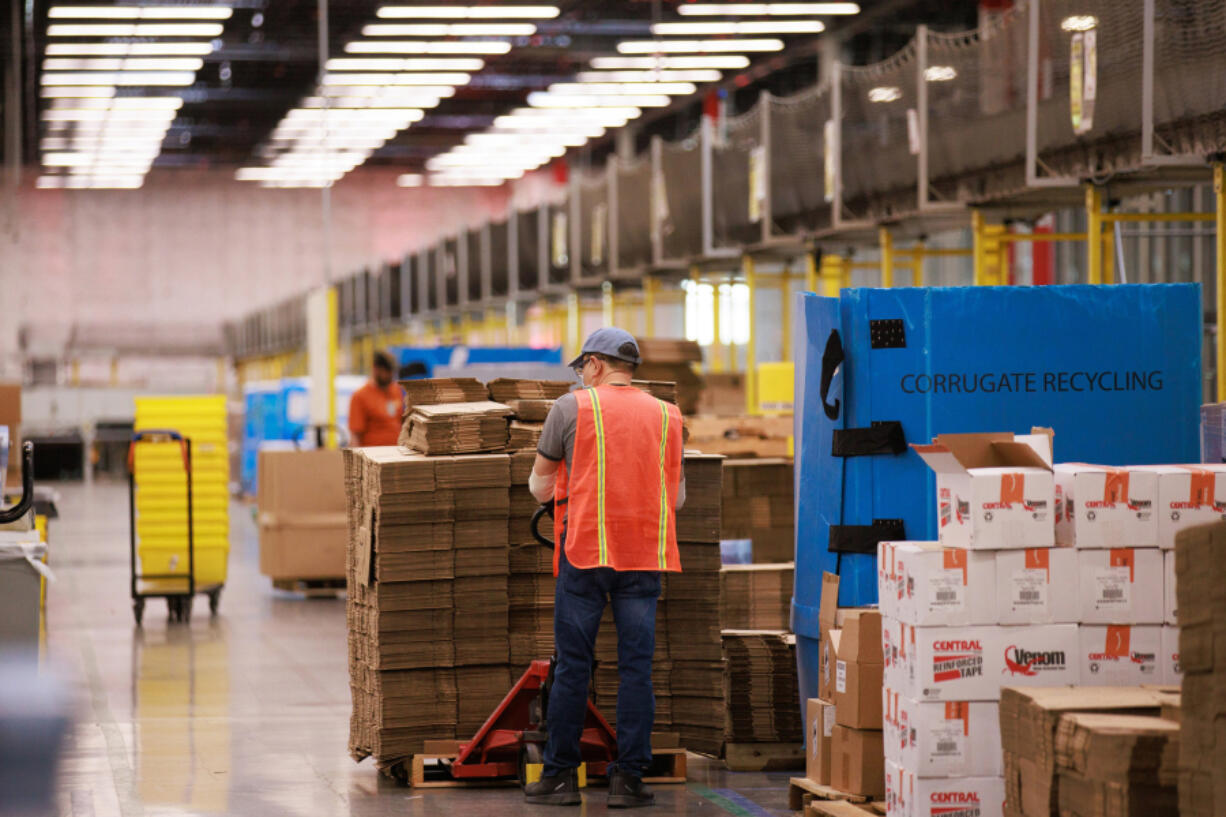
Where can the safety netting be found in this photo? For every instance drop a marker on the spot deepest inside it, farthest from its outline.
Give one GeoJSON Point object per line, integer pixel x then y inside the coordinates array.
{"type": "Point", "coordinates": [1190, 76]}
{"type": "Point", "coordinates": [558, 255]}
{"type": "Point", "coordinates": [678, 201]}
{"type": "Point", "coordinates": [976, 86]}
{"type": "Point", "coordinates": [797, 181]}
{"type": "Point", "coordinates": [738, 181]}
{"type": "Point", "coordinates": [499, 259]}
{"type": "Point", "coordinates": [474, 273]}
{"type": "Point", "coordinates": [593, 192]}
{"type": "Point", "coordinates": [528, 244]}
{"type": "Point", "coordinates": [633, 222]}
{"type": "Point", "coordinates": [879, 137]}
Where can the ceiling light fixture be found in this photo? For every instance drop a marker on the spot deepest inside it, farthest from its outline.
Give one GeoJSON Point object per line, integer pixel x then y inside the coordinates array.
{"type": "Point", "coordinates": [540, 99]}
{"type": "Point", "coordinates": [170, 78]}
{"type": "Point", "coordinates": [940, 73]}
{"type": "Point", "coordinates": [139, 13]}
{"type": "Point", "coordinates": [624, 88]}
{"type": "Point", "coordinates": [1079, 22]}
{"type": "Point", "coordinates": [129, 49]}
{"type": "Point", "coordinates": [449, 30]}
{"type": "Point", "coordinates": [398, 64]}
{"type": "Point", "coordinates": [410, 180]}
{"type": "Point", "coordinates": [706, 75]}
{"type": "Point", "coordinates": [766, 9]}
{"type": "Point", "coordinates": [884, 93]}
{"type": "Point", "coordinates": [134, 30]}
{"type": "Point", "coordinates": [426, 47]}
{"type": "Point", "coordinates": [729, 62]}
{"type": "Point", "coordinates": [496, 11]}
{"type": "Point", "coordinates": [697, 46]}
{"type": "Point", "coordinates": [733, 28]}
{"type": "Point", "coordinates": [86, 92]}
{"type": "Point", "coordinates": [403, 80]}
{"type": "Point", "coordinates": [128, 64]}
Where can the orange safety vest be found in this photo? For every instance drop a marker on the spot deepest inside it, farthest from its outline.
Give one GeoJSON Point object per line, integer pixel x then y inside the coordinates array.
{"type": "Point", "coordinates": [619, 495]}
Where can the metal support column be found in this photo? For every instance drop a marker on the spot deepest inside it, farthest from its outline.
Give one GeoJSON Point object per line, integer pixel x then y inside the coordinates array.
{"type": "Point", "coordinates": [887, 257]}
{"type": "Point", "coordinates": [574, 324]}
{"type": "Point", "coordinates": [1219, 195]}
{"type": "Point", "coordinates": [831, 275]}
{"type": "Point", "coordinates": [719, 353]}
{"type": "Point", "coordinates": [785, 318]}
{"type": "Point", "coordinates": [1094, 234]}
{"type": "Point", "coordinates": [751, 348]}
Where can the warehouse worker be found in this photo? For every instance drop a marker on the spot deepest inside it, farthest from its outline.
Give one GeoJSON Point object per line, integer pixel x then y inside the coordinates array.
{"type": "Point", "coordinates": [375, 410]}
{"type": "Point", "coordinates": [610, 457]}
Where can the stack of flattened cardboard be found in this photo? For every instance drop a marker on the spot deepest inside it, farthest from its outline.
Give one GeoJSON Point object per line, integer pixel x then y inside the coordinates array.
{"type": "Point", "coordinates": [672, 360]}
{"type": "Point", "coordinates": [756, 597]}
{"type": "Point", "coordinates": [530, 411]}
{"type": "Point", "coordinates": [443, 390]}
{"type": "Point", "coordinates": [665, 390]}
{"type": "Point", "coordinates": [759, 505]}
{"type": "Point", "coordinates": [530, 586]}
{"type": "Point", "coordinates": [760, 667]}
{"type": "Point", "coordinates": [504, 389]}
{"type": "Point", "coordinates": [1200, 588]}
{"type": "Point", "coordinates": [1029, 723]}
{"type": "Point", "coordinates": [524, 436]}
{"type": "Point", "coordinates": [693, 616]}
{"type": "Point", "coordinates": [456, 428]}
{"type": "Point", "coordinates": [1117, 765]}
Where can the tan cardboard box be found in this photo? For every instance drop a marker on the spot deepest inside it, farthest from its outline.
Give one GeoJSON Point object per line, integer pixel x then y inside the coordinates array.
{"type": "Point", "coordinates": [857, 763]}
{"type": "Point", "coordinates": [302, 514]}
{"type": "Point", "coordinates": [859, 670]}
{"type": "Point", "coordinates": [819, 729]}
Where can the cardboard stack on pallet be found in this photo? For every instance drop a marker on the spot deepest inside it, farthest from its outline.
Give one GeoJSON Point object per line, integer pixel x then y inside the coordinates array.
{"type": "Point", "coordinates": [1099, 751]}
{"type": "Point", "coordinates": [762, 690]}
{"type": "Point", "coordinates": [436, 390]}
{"type": "Point", "coordinates": [672, 360]}
{"type": "Point", "coordinates": [1201, 595]}
{"type": "Point", "coordinates": [756, 597]}
{"type": "Point", "coordinates": [456, 428]}
{"type": "Point", "coordinates": [693, 616]}
{"type": "Point", "coordinates": [759, 506]}
{"type": "Point", "coordinates": [530, 586]}
{"type": "Point", "coordinates": [530, 401]}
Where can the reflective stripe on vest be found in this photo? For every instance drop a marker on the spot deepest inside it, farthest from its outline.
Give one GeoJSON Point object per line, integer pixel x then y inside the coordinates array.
{"type": "Point", "coordinates": [663, 525]}
{"type": "Point", "coordinates": [601, 513]}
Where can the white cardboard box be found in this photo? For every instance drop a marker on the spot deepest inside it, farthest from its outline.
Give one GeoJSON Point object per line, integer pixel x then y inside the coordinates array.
{"type": "Point", "coordinates": [940, 586]}
{"type": "Point", "coordinates": [1120, 655]}
{"type": "Point", "coordinates": [973, 663]}
{"type": "Point", "coordinates": [894, 673]}
{"type": "Point", "coordinates": [1188, 495]}
{"type": "Point", "coordinates": [1120, 586]}
{"type": "Point", "coordinates": [1036, 586]}
{"type": "Point", "coordinates": [1171, 607]}
{"type": "Point", "coordinates": [949, 739]}
{"type": "Point", "coordinates": [1102, 507]}
{"type": "Point", "coordinates": [887, 578]}
{"type": "Point", "coordinates": [994, 491]}
{"type": "Point", "coordinates": [909, 796]}
{"type": "Point", "coordinates": [1172, 670]}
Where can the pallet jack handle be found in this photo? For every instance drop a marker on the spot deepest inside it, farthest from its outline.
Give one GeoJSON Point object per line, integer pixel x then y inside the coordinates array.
{"type": "Point", "coordinates": [27, 487]}
{"type": "Point", "coordinates": [546, 508]}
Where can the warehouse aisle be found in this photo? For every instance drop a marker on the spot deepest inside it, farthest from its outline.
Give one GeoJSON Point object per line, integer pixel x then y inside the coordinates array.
{"type": "Point", "coordinates": [247, 713]}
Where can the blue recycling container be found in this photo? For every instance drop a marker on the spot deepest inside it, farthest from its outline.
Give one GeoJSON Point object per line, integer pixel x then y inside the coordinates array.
{"type": "Point", "coordinates": [1114, 370]}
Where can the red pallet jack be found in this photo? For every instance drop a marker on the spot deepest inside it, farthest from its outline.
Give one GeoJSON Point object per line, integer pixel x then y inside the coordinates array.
{"type": "Point", "coordinates": [511, 743]}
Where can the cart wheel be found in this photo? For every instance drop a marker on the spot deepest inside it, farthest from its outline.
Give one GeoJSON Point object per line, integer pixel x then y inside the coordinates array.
{"type": "Point", "coordinates": [214, 600]}
{"type": "Point", "coordinates": [529, 753]}
{"type": "Point", "coordinates": [138, 610]}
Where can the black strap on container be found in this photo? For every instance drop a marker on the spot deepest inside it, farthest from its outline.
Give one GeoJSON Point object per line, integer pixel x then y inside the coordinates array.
{"type": "Point", "coordinates": [883, 437]}
{"type": "Point", "coordinates": [864, 538]}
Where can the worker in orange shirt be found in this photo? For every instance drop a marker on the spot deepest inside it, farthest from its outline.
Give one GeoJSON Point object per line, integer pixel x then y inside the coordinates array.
{"type": "Point", "coordinates": [610, 458]}
{"type": "Point", "coordinates": [376, 409]}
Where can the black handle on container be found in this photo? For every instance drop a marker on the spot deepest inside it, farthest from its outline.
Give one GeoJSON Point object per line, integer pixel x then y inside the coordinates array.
{"type": "Point", "coordinates": [27, 487]}
{"type": "Point", "coordinates": [832, 358]}
{"type": "Point", "coordinates": [545, 508]}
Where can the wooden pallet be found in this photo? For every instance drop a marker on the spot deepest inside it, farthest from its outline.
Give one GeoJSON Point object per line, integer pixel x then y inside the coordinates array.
{"type": "Point", "coordinates": [764, 757]}
{"type": "Point", "coordinates": [423, 774]}
{"type": "Point", "coordinates": [802, 791]}
{"type": "Point", "coordinates": [312, 588]}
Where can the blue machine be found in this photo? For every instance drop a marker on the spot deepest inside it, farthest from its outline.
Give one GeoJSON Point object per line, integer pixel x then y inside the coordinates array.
{"type": "Point", "coordinates": [1114, 370]}
{"type": "Point", "coordinates": [436, 356]}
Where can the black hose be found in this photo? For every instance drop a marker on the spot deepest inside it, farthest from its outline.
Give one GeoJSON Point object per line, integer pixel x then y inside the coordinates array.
{"type": "Point", "coordinates": [27, 487]}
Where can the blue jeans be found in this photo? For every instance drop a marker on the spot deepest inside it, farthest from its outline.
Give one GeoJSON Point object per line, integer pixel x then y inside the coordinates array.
{"type": "Point", "coordinates": [579, 602]}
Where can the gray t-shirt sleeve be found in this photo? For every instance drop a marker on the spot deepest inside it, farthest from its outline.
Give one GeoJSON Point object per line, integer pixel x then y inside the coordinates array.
{"type": "Point", "coordinates": [557, 441]}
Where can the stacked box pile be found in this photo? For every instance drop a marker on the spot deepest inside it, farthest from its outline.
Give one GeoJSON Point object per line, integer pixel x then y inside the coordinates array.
{"type": "Point", "coordinates": [664, 390]}
{"type": "Point", "coordinates": [433, 391]}
{"type": "Point", "coordinates": [672, 360]}
{"type": "Point", "coordinates": [1201, 596]}
{"type": "Point", "coordinates": [1213, 432]}
{"type": "Point", "coordinates": [530, 411]}
{"type": "Point", "coordinates": [759, 506]}
{"type": "Point", "coordinates": [693, 617]}
{"type": "Point", "coordinates": [1043, 576]}
{"type": "Point", "coordinates": [530, 584]}
{"type": "Point", "coordinates": [762, 688]}
{"type": "Point", "coordinates": [506, 389]}
{"type": "Point", "coordinates": [756, 597]}
{"type": "Point", "coordinates": [530, 401]}
{"type": "Point", "coordinates": [1099, 751]}
{"type": "Point", "coordinates": [456, 428]}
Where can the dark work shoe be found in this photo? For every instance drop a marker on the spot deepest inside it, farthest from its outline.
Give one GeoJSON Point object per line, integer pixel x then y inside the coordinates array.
{"type": "Point", "coordinates": [562, 790]}
{"type": "Point", "coordinates": [628, 791]}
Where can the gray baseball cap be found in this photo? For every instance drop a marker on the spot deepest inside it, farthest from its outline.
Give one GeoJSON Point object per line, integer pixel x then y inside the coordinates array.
{"type": "Point", "coordinates": [610, 342]}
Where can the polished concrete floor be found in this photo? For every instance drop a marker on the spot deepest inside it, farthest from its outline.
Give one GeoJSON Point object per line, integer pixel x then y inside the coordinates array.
{"type": "Point", "coordinates": [246, 713]}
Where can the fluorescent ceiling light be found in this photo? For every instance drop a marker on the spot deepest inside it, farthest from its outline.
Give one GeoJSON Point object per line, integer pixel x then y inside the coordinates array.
{"type": "Point", "coordinates": [360, 103]}
{"type": "Point", "coordinates": [730, 62]}
{"type": "Point", "coordinates": [407, 79]}
{"type": "Point", "coordinates": [139, 13]}
{"type": "Point", "coordinates": [750, 27]}
{"type": "Point", "coordinates": [129, 49]}
{"type": "Point", "coordinates": [515, 126]}
{"type": "Point", "coordinates": [410, 180]}
{"type": "Point", "coordinates": [463, 181]}
{"type": "Point", "coordinates": [624, 88]}
{"type": "Point", "coordinates": [129, 64]}
{"type": "Point", "coordinates": [706, 75]}
{"type": "Point", "coordinates": [496, 11]}
{"type": "Point", "coordinates": [87, 92]}
{"type": "Point", "coordinates": [497, 139]}
{"type": "Point", "coordinates": [1079, 22]}
{"type": "Point", "coordinates": [409, 64]}
{"type": "Point", "coordinates": [609, 117]}
{"type": "Point", "coordinates": [168, 78]}
{"type": "Point", "coordinates": [449, 30]}
{"type": "Point", "coordinates": [426, 47]}
{"type": "Point", "coordinates": [765, 9]}
{"type": "Point", "coordinates": [539, 99]}
{"type": "Point", "coordinates": [103, 115]}
{"type": "Point", "coordinates": [697, 46]}
{"type": "Point", "coordinates": [97, 182]}
{"type": "Point", "coordinates": [940, 73]}
{"type": "Point", "coordinates": [134, 30]}
{"type": "Point", "coordinates": [884, 93]}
